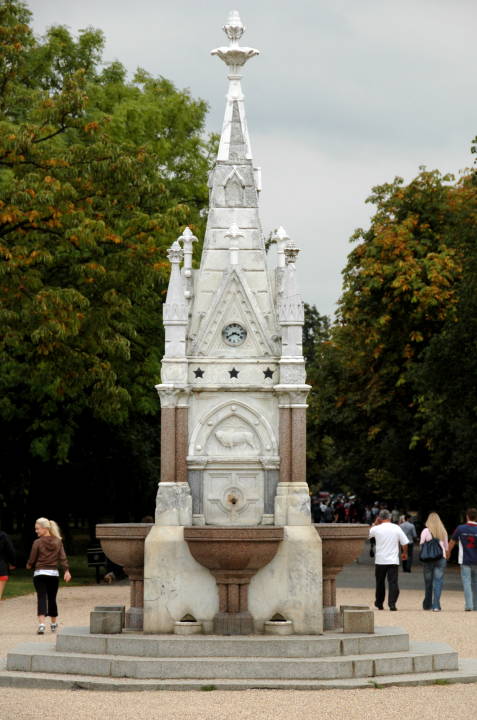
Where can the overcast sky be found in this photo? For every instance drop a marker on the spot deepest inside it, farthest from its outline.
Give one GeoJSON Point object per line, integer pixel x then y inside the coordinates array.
{"type": "Point", "coordinates": [346, 94]}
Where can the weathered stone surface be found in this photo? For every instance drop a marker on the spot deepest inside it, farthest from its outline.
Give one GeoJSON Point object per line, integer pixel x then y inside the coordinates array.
{"type": "Point", "coordinates": [173, 504]}
{"type": "Point", "coordinates": [106, 621]}
{"type": "Point", "coordinates": [358, 621]}
{"type": "Point", "coordinates": [291, 584]}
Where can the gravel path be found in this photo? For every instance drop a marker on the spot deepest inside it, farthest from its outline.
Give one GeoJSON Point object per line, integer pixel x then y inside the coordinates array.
{"type": "Point", "coordinates": [452, 625]}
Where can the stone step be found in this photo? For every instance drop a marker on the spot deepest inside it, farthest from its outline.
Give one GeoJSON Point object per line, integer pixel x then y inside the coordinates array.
{"type": "Point", "coordinates": [466, 673]}
{"type": "Point", "coordinates": [79, 640]}
{"type": "Point", "coordinates": [422, 657]}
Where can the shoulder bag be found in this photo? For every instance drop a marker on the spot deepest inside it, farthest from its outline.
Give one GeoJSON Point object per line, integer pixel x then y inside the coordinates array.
{"type": "Point", "coordinates": [431, 550]}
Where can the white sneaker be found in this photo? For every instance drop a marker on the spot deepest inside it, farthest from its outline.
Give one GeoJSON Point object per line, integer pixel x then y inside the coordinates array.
{"type": "Point", "coordinates": [54, 627]}
{"type": "Point", "coordinates": [41, 629]}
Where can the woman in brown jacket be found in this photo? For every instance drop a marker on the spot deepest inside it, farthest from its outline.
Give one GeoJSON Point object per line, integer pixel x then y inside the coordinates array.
{"type": "Point", "coordinates": [46, 554]}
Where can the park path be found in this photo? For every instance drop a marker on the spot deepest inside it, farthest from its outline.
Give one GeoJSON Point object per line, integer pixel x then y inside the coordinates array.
{"type": "Point", "coordinates": [452, 625]}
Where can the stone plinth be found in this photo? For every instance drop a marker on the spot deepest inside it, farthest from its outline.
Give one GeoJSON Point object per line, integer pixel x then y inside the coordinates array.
{"type": "Point", "coordinates": [233, 555]}
{"type": "Point", "coordinates": [342, 545]}
{"type": "Point", "coordinates": [123, 543]}
{"type": "Point", "coordinates": [176, 584]}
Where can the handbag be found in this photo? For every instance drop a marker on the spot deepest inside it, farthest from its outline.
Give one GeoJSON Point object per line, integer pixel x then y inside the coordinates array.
{"type": "Point", "coordinates": [431, 550]}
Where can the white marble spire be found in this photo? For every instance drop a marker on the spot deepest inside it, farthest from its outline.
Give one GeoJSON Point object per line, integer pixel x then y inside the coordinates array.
{"type": "Point", "coordinates": [234, 140]}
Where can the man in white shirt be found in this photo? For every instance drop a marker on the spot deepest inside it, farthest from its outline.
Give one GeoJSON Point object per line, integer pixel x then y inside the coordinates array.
{"type": "Point", "coordinates": [389, 537]}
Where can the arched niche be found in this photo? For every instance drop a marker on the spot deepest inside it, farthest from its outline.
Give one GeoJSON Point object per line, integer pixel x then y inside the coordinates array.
{"type": "Point", "coordinates": [233, 430]}
{"type": "Point", "coordinates": [234, 189]}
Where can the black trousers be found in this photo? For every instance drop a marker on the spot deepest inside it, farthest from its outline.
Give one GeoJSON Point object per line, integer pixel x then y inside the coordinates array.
{"type": "Point", "coordinates": [407, 564]}
{"type": "Point", "coordinates": [391, 572]}
{"type": "Point", "coordinates": [46, 587]}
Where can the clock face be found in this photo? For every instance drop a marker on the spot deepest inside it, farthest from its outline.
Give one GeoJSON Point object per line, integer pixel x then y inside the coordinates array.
{"type": "Point", "coordinates": [234, 334]}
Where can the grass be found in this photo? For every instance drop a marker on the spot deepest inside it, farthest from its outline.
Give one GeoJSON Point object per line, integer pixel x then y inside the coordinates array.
{"type": "Point", "coordinates": [21, 583]}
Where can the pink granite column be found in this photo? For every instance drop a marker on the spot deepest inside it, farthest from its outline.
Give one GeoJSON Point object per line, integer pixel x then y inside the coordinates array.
{"type": "Point", "coordinates": [298, 444]}
{"type": "Point", "coordinates": [182, 441]}
{"type": "Point", "coordinates": [168, 444]}
{"type": "Point", "coordinates": [285, 444]}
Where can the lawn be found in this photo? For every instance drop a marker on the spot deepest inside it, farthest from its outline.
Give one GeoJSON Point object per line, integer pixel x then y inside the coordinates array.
{"type": "Point", "coordinates": [20, 582]}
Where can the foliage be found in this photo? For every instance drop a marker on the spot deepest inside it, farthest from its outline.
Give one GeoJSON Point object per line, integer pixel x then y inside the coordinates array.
{"type": "Point", "coordinates": [396, 405]}
{"type": "Point", "coordinates": [97, 176]}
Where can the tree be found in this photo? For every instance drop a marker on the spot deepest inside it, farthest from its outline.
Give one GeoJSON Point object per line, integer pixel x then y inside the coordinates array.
{"type": "Point", "coordinates": [97, 176]}
{"type": "Point", "coordinates": [405, 319]}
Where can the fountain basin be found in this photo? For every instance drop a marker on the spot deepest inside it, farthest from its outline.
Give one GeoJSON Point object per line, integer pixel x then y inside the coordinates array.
{"type": "Point", "coordinates": [123, 543]}
{"type": "Point", "coordinates": [342, 544]}
{"type": "Point", "coordinates": [233, 555]}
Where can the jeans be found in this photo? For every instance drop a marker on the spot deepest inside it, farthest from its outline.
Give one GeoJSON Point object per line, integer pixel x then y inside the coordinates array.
{"type": "Point", "coordinates": [468, 574]}
{"type": "Point", "coordinates": [391, 571]}
{"type": "Point", "coordinates": [433, 582]}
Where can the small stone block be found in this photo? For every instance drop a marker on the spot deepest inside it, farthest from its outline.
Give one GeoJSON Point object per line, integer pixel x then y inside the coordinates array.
{"type": "Point", "coordinates": [353, 607]}
{"type": "Point", "coordinates": [105, 622]}
{"type": "Point", "coordinates": [121, 608]}
{"type": "Point", "coordinates": [350, 607]}
{"type": "Point", "coordinates": [358, 621]}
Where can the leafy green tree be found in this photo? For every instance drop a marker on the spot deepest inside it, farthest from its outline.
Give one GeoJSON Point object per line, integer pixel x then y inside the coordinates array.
{"type": "Point", "coordinates": [97, 176]}
{"type": "Point", "coordinates": [399, 363]}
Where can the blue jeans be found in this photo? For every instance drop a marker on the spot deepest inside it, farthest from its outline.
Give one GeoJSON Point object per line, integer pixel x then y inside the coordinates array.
{"type": "Point", "coordinates": [433, 582]}
{"type": "Point", "coordinates": [468, 574]}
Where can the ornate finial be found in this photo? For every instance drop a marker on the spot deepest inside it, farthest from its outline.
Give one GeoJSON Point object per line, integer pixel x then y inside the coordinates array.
{"type": "Point", "coordinates": [234, 56]}
{"type": "Point", "coordinates": [187, 235]}
{"type": "Point", "coordinates": [234, 27]}
{"type": "Point", "coordinates": [280, 234]}
{"type": "Point", "coordinates": [175, 252]}
{"type": "Point", "coordinates": [291, 251]}
{"type": "Point", "coordinates": [281, 238]}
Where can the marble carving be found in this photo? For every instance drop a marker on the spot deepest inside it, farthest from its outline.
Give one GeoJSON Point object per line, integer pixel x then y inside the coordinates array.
{"type": "Point", "coordinates": [233, 388]}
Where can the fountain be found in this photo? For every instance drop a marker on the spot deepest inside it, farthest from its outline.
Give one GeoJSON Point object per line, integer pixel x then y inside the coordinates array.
{"type": "Point", "coordinates": [233, 545]}
{"type": "Point", "coordinates": [232, 550]}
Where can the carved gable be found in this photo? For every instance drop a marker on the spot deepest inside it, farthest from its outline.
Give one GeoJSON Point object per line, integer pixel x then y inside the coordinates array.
{"type": "Point", "coordinates": [233, 303]}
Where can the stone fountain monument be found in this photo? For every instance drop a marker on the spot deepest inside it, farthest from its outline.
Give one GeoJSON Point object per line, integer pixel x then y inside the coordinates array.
{"type": "Point", "coordinates": [232, 550]}
{"type": "Point", "coordinates": [233, 545]}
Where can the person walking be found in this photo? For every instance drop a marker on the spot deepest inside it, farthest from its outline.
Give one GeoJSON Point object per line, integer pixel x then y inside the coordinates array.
{"type": "Point", "coordinates": [7, 560]}
{"type": "Point", "coordinates": [434, 569]}
{"type": "Point", "coordinates": [46, 554]}
{"type": "Point", "coordinates": [466, 536]}
{"type": "Point", "coordinates": [409, 531]}
{"type": "Point", "coordinates": [389, 537]}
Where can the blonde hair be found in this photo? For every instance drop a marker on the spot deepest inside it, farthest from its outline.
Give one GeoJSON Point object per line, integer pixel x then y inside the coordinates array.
{"type": "Point", "coordinates": [435, 526]}
{"type": "Point", "coordinates": [50, 525]}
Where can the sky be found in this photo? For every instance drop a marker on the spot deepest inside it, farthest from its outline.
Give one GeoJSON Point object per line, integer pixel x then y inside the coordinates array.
{"type": "Point", "coordinates": [345, 95]}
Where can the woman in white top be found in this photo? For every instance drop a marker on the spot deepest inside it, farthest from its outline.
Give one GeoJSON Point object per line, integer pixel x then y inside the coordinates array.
{"type": "Point", "coordinates": [434, 569]}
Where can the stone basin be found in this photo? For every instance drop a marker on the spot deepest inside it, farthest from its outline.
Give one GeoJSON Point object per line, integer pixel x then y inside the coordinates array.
{"type": "Point", "coordinates": [233, 555]}
{"type": "Point", "coordinates": [342, 544]}
{"type": "Point", "coordinates": [123, 543]}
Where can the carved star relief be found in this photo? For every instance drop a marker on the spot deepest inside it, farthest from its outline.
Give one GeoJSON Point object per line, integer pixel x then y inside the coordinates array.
{"type": "Point", "coordinates": [268, 373]}
{"type": "Point", "coordinates": [234, 373]}
{"type": "Point", "coordinates": [199, 373]}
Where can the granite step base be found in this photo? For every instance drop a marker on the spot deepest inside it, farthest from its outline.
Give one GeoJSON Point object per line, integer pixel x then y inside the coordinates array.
{"type": "Point", "coordinates": [421, 657]}
{"type": "Point", "coordinates": [466, 673]}
{"type": "Point", "coordinates": [383, 640]}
